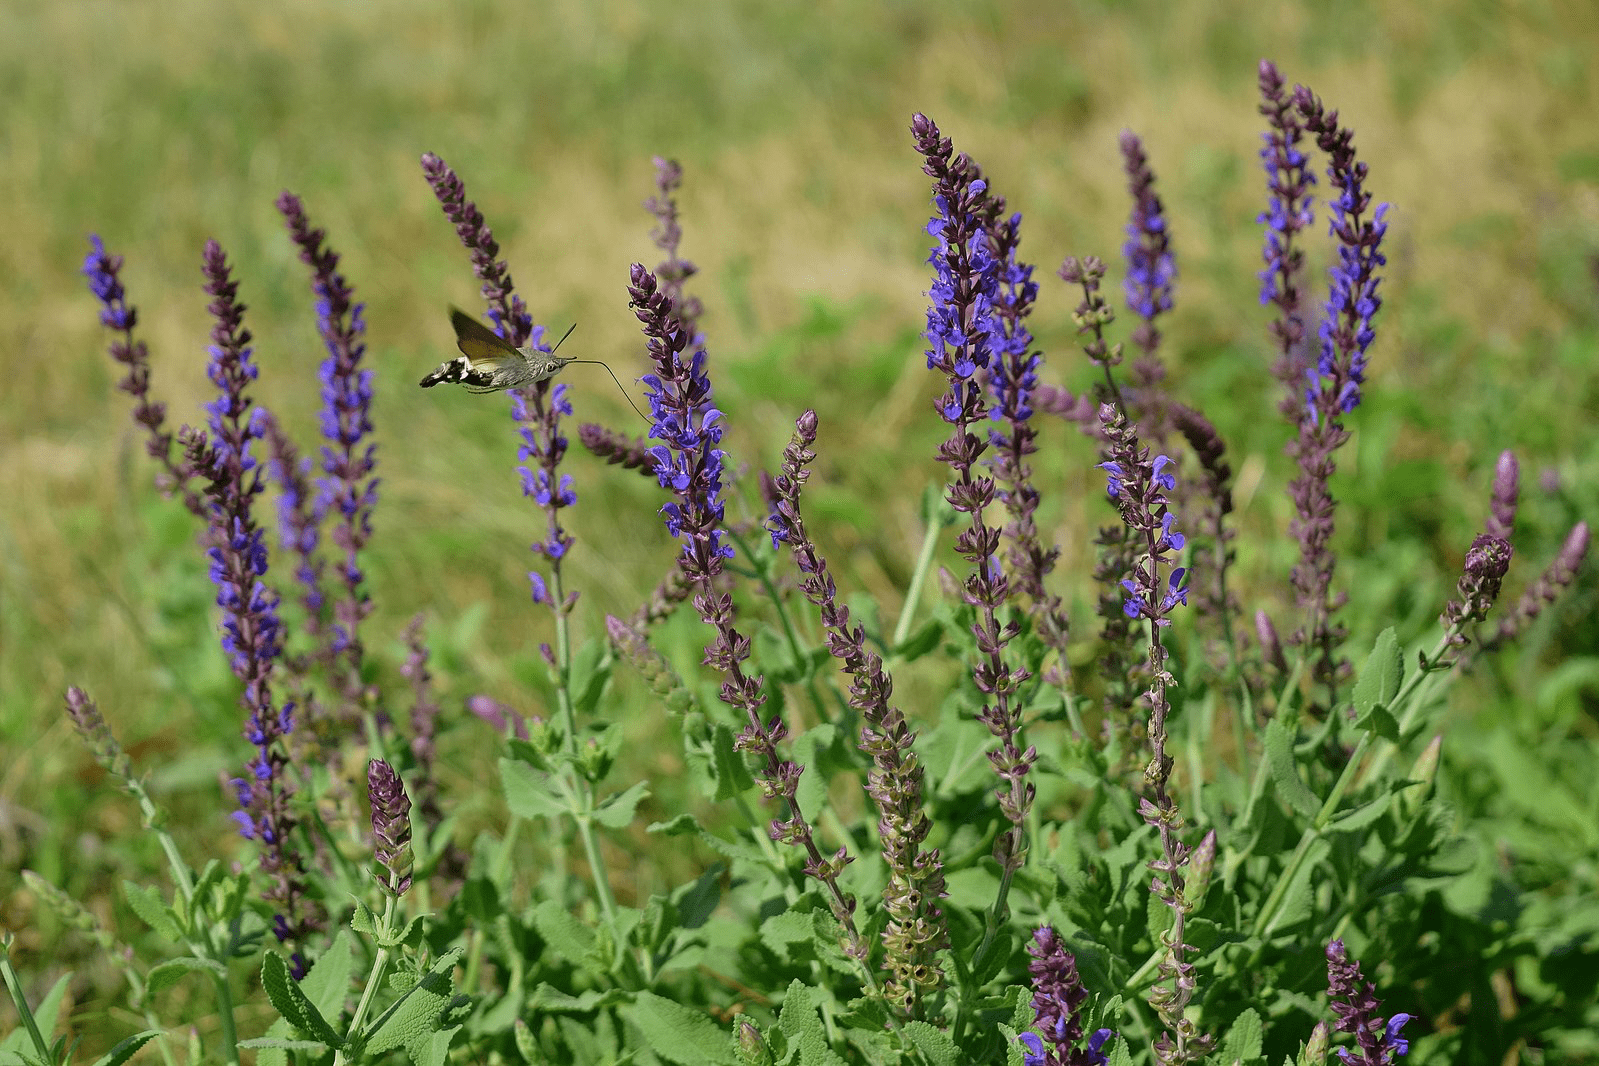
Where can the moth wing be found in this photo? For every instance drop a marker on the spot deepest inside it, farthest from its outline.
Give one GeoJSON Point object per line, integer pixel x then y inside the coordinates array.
{"type": "Point", "coordinates": [487, 362]}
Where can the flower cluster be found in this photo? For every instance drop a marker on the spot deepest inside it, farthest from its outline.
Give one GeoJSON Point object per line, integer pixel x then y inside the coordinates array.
{"type": "Point", "coordinates": [252, 634]}
{"type": "Point", "coordinates": [673, 270]}
{"type": "Point", "coordinates": [963, 328]}
{"type": "Point", "coordinates": [347, 484]}
{"type": "Point", "coordinates": [1151, 271]}
{"type": "Point", "coordinates": [1058, 996]}
{"type": "Point", "coordinates": [689, 462]}
{"type": "Point", "coordinates": [536, 408]}
{"type": "Point", "coordinates": [1354, 1002]}
{"type": "Point", "coordinates": [103, 270]}
{"type": "Point", "coordinates": [1290, 208]}
{"type": "Point", "coordinates": [916, 928]}
{"type": "Point", "coordinates": [1139, 486]}
{"type": "Point", "coordinates": [391, 827]}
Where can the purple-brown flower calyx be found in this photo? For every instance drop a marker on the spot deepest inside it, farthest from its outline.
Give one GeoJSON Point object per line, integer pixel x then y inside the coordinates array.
{"type": "Point", "coordinates": [1353, 1000]}
{"type": "Point", "coordinates": [391, 827]}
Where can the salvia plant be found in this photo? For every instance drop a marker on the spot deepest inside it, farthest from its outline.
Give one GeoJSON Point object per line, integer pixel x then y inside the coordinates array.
{"type": "Point", "coordinates": [1145, 822]}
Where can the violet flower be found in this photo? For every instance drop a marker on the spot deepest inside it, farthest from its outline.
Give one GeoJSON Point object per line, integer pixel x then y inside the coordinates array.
{"type": "Point", "coordinates": [391, 827]}
{"type": "Point", "coordinates": [1334, 389]}
{"type": "Point", "coordinates": [1289, 209]}
{"type": "Point", "coordinates": [673, 270]}
{"type": "Point", "coordinates": [1156, 588]}
{"type": "Point", "coordinates": [1487, 561]}
{"type": "Point", "coordinates": [537, 408]}
{"type": "Point", "coordinates": [1058, 996]}
{"type": "Point", "coordinates": [298, 528]}
{"type": "Point", "coordinates": [962, 327]}
{"type": "Point", "coordinates": [1012, 380]}
{"type": "Point", "coordinates": [1353, 1000]}
{"type": "Point", "coordinates": [252, 635]}
{"type": "Point", "coordinates": [690, 464]}
{"type": "Point", "coordinates": [116, 313]}
{"type": "Point", "coordinates": [1151, 271]}
{"type": "Point", "coordinates": [917, 929]}
{"type": "Point", "coordinates": [347, 484]}
{"type": "Point", "coordinates": [1213, 555]}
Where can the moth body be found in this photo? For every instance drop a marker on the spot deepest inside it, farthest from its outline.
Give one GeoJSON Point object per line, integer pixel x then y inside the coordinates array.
{"type": "Point", "coordinates": [488, 362]}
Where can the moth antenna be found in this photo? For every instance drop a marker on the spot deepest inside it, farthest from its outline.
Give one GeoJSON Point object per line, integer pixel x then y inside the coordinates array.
{"type": "Point", "coordinates": [611, 372]}
{"type": "Point", "coordinates": [562, 341]}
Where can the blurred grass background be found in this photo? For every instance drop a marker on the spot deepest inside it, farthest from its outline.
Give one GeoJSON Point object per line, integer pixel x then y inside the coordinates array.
{"type": "Point", "coordinates": [160, 125]}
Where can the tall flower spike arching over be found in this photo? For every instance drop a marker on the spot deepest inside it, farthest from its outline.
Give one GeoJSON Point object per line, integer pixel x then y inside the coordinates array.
{"type": "Point", "coordinates": [103, 271]}
{"type": "Point", "coordinates": [689, 462]}
{"type": "Point", "coordinates": [1334, 389]}
{"type": "Point", "coordinates": [1155, 589]}
{"type": "Point", "coordinates": [537, 408]}
{"type": "Point", "coordinates": [1290, 209]}
{"type": "Point", "coordinates": [962, 327]}
{"type": "Point", "coordinates": [917, 928]}
{"type": "Point", "coordinates": [1012, 380]}
{"type": "Point", "coordinates": [347, 485]}
{"type": "Point", "coordinates": [1151, 274]}
{"type": "Point", "coordinates": [252, 635]}
{"type": "Point", "coordinates": [1354, 1002]}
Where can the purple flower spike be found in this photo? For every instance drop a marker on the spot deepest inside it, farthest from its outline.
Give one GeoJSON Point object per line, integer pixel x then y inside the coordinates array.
{"type": "Point", "coordinates": [1353, 1001]}
{"type": "Point", "coordinates": [1058, 996]}
{"type": "Point", "coordinates": [965, 327]}
{"type": "Point", "coordinates": [252, 636]}
{"type": "Point", "coordinates": [1151, 274]}
{"type": "Point", "coordinates": [1290, 209]}
{"type": "Point", "coordinates": [391, 827]}
{"type": "Point", "coordinates": [347, 486]}
{"type": "Point", "coordinates": [103, 271]}
{"type": "Point", "coordinates": [690, 463]}
{"type": "Point", "coordinates": [537, 408]}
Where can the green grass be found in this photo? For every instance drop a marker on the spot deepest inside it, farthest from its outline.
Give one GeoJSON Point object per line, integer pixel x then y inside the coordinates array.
{"type": "Point", "coordinates": [158, 126]}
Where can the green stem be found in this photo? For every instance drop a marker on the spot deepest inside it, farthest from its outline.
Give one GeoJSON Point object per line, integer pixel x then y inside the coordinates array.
{"type": "Point", "coordinates": [380, 963]}
{"type": "Point", "coordinates": [924, 565]}
{"type": "Point", "coordinates": [14, 986]}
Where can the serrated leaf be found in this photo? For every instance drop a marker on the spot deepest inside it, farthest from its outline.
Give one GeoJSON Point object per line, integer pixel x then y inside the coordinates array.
{"type": "Point", "coordinates": [126, 1049]}
{"type": "Point", "coordinates": [1382, 676]}
{"type": "Point", "coordinates": [292, 1003]}
{"type": "Point", "coordinates": [800, 1022]}
{"type": "Point", "coordinates": [678, 1033]}
{"type": "Point", "coordinates": [935, 1045]}
{"type": "Point", "coordinates": [419, 1014]}
{"type": "Point", "coordinates": [1118, 1054]}
{"type": "Point", "coordinates": [152, 909]}
{"type": "Point", "coordinates": [1243, 1043]}
{"type": "Point", "coordinates": [616, 812]}
{"type": "Point", "coordinates": [169, 973]}
{"type": "Point", "coordinates": [328, 984]}
{"type": "Point", "coordinates": [364, 920]}
{"type": "Point", "coordinates": [568, 937]}
{"type": "Point", "coordinates": [1377, 720]}
{"type": "Point", "coordinates": [1279, 744]}
{"type": "Point", "coordinates": [528, 793]}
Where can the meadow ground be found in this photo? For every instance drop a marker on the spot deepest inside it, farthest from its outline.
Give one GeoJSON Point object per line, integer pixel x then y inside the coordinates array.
{"type": "Point", "coordinates": [159, 126]}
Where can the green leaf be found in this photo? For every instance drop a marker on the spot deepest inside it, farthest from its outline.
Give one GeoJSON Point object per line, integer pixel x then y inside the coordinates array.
{"type": "Point", "coordinates": [414, 1020]}
{"type": "Point", "coordinates": [799, 1021]}
{"type": "Point", "coordinates": [125, 1050]}
{"type": "Point", "coordinates": [935, 1045]}
{"type": "Point", "coordinates": [364, 920]}
{"type": "Point", "coordinates": [678, 1033]}
{"type": "Point", "coordinates": [568, 937]}
{"type": "Point", "coordinates": [1362, 816]}
{"type": "Point", "coordinates": [1284, 774]}
{"type": "Point", "coordinates": [1382, 676]}
{"type": "Point", "coordinates": [328, 984]}
{"type": "Point", "coordinates": [152, 909]}
{"type": "Point", "coordinates": [591, 670]}
{"type": "Point", "coordinates": [280, 1044]}
{"type": "Point", "coordinates": [732, 772]}
{"type": "Point", "coordinates": [1118, 1055]}
{"type": "Point", "coordinates": [169, 973]}
{"type": "Point", "coordinates": [289, 1001]}
{"type": "Point", "coordinates": [1243, 1043]}
{"type": "Point", "coordinates": [617, 811]}
{"type": "Point", "coordinates": [528, 792]}
{"type": "Point", "coordinates": [1376, 719]}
